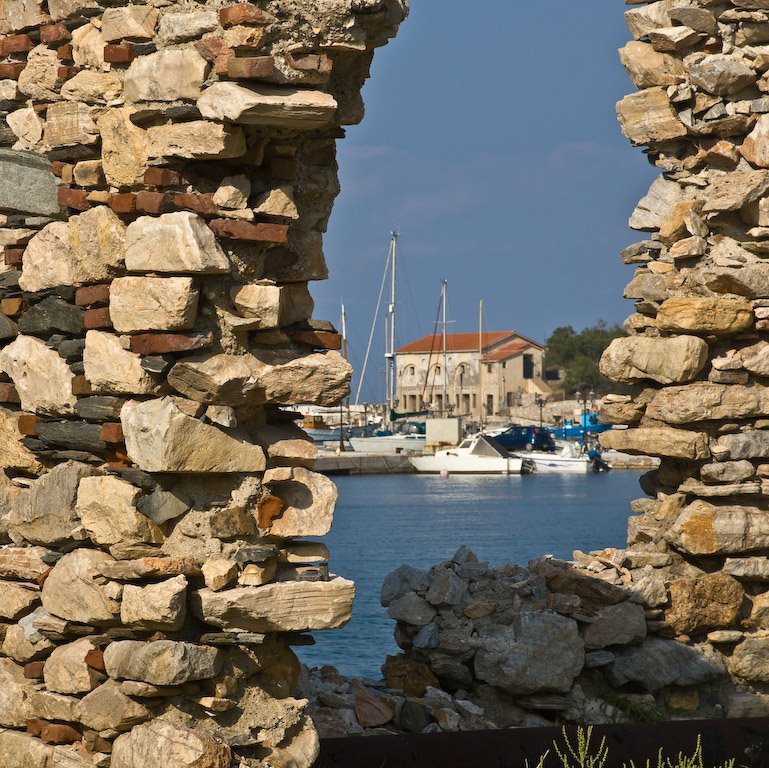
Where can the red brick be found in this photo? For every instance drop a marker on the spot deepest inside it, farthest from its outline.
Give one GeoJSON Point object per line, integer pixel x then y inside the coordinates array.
{"type": "Point", "coordinates": [283, 169]}
{"type": "Point", "coordinates": [162, 177]}
{"type": "Point", "coordinates": [243, 13]}
{"type": "Point", "coordinates": [89, 295]}
{"type": "Point", "coordinates": [73, 198]}
{"type": "Point", "coordinates": [34, 670]}
{"type": "Point", "coordinates": [81, 386]}
{"type": "Point", "coordinates": [59, 733]}
{"type": "Point", "coordinates": [28, 424]}
{"type": "Point", "coordinates": [95, 660]}
{"type": "Point", "coordinates": [123, 202]}
{"type": "Point", "coordinates": [309, 62]}
{"type": "Point", "coordinates": [64, 52]}
{"type": "Point", "coordinates": [57, 167]}
{"type": "Point", "coordinates": [318, 339]}
{"type": "Point", "coordinates": [153, 202]}
{"type": "Point", "coordinates": [119, 54]}
{"type": "Point", "coordinates": [54, 33]}
{"type": "Point", "coordinates": [8, 393]}
{"type": "Point", "coordinates": [13, 257]}
{"type": "Point", "coordinates": [162, 343]}
{"type": "Point", "coordinates": [12, 70]}
{"type": "Point", "coordinates": [16, 44]}
{"type": "Point", "coordinates": [64, 73]}
{"type": "Point", "coordinates": [203, 205]}
{"type": "Point", "coordinates": [12, 307]}
{"type": "Point", "coordinates": [94, 319]}
{"type": "Point", "coordinates": [251, 68]}
{"type": "Point", "coordinates": [111, 433]}
{"type": "Point", "coordinates": [279, 258]}
{"type": "Point", "coordinates": [245, 230]}
{"type": "Point", "coordinates": [214, 49]}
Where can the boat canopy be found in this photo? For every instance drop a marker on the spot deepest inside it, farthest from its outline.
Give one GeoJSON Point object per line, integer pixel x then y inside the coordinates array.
{"type": "Point", "coordinates": [487, 446]}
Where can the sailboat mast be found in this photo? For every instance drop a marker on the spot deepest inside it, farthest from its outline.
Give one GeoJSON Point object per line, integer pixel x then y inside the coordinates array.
{"type": "Point", "coordinates": [341, 402]}
{"type": "Point", "coordinates": [390, 351]}
{"type": "Point", "coordinates": [480, 363]}
{"type": "Point", "coordinates": [445, 355]}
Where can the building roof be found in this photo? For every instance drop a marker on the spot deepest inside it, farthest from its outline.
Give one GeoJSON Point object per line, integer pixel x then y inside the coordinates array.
{"type": "Point", "coordinates": [506, 351]}
{"type": "Point", "coordinates": [468, 342]}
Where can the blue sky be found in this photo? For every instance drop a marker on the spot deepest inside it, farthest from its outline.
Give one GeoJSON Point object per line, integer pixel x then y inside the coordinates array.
{"type": "Point", "coordinates": [491, 143]}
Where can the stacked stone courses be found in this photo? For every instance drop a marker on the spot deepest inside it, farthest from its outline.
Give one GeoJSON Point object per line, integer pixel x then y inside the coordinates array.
{"type": "Point", "coordinates": [167, 171]}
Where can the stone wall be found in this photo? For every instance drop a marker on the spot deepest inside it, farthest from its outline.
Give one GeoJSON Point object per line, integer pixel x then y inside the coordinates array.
{"type": "Point", "coordinates": [167, 171]}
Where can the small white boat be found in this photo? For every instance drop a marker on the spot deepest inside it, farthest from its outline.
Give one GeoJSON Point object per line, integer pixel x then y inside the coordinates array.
{"type": "Point", "coordinates": [475, 455]}
{"type": "Point", "coordinates": [388, 444]}
{"type": "Point", "coordinates": [568, 459]}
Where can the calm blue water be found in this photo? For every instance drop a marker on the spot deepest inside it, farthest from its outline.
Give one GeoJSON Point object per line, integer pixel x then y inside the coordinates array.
{"type": "Point", "coordinates": [382, 522]}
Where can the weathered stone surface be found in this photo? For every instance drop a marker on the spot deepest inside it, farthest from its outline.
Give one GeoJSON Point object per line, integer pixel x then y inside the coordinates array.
{"type": "Point", "coordinates": [66, 670]}
{"type": "Point", "coordinates": [720, 316]}
{"type": "Point", "coordinates": [17, 600]}
{"type": "Point", "coordinates": [268, 106]}
{"type": "Point", "coordinates": [27, 185]}
{"type": "Point", "coordinates": [176, 27]}
{"type": "Point", "coordinates": [710, 601]}
{"type": "Point", "coordinates": [107, 708]}
{"type": "Point", "coordinates": [68, 124]}
{"type": "Point", "coordinates": [280, 607]}
{"type": "Point", "coordinates": [735, 190]}
{"type": "Point", "coordinates": [15, 708]}
{"type": "Point", "coordinates": [753, 444]}
{"type": "Point", "coordinates": [668, 361]}
{"type": "Point", "coordinates": [93, 88]}
{"type": "Point", "coordinates": [160, 606]}
{"type": "Point", "coordinates": [111, 369]}
{"type": "Point", "coordinates": [159, 744]}
{"type": "Point", "coordinates": [198, 139]}
{"type": "Point", "coordinates": [72, 590]}
{"type": "Point", "coordinates": [97, 245]}
{"type": "Point", "coordinates": [540, 651]}
{"type": "Point", "coordinates": [88, 47]}
{"type": "Point", "coordinates": [620, 624]}
{"type": "Point", "coordinates": [38, 80]}
{"type": "Point", "coordinates": [124, 148]}
{"type": "Point", "coordinates": [647, 68]}
{"type": "Point", "coordinates": [721, 74]}
{"type": "Point", "coordinates": [135, 21]}
{"type": "Point", "coordinates": [411, 609]}
{"type": "Point", "coordinates": [277, 202]}
{"type": "Point", "coordinates": [272, 305]}
{"type": "Point", "coordinates": [662, 441]}
{"type": "Point", "coordinates": [48, 516]}
{"type": "Point", "coordinates": [648, 116]}
{"type": "Point", "coordinates": [747, 568]}
{"type": "Point", "coordinates": [728, 471]}
{"type": "Point", "coordinates": [705, 529]}
{"type": "Point", "coordinates": [160, 438]}
{"type": "Point", "coordinates": [659, 663]}
{"type": "Point", "coordinates": [153, 304]}
{"type": "Point", "coordinates": [750, 657]}
{"type": "Point", "coordinates": [162, 662]}
{"type": "Point", "coordinates": [106, 506]}
{"type": "Point", "coordinates": [702, 401]}
{"type": "Point", "coordinates": [308, 506]}
{"type": "Point", "coordinates": [656, 205]}
{"type": "Point", "coordinates": [23, 563]}
{"type": "Point", "coordinates": [173, 75]}
{"type": "Point", "coordinates": [173, 242]}
{"type": "Point", "coordinates": [233, 192]}
{"type": "Point", "coordinates": [15, 455]}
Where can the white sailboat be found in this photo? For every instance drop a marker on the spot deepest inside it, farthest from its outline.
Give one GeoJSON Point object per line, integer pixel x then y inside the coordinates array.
{"type": "Point", "coordinates": [477, 455]}
{"type": "Point", "coordinates": [568, 459]}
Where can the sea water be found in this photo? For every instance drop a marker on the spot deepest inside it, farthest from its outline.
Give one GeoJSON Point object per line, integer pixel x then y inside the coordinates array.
{"type": "Point", "coordinates": [385, 521]}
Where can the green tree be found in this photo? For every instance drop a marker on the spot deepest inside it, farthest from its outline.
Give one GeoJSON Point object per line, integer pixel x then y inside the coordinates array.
{"type": "Point", "coordinates": [578, 354]}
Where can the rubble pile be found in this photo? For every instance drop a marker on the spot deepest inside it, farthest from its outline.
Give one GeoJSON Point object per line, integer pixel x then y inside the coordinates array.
{"type": "Point", "coordinates": [166, 173]}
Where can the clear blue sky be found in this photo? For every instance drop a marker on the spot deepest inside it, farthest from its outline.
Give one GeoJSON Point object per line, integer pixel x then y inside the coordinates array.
{"type": "Point", "coordinates": [491, 143]}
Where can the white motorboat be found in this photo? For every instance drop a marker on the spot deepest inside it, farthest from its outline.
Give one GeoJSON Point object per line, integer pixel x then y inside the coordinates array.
{"type": "Point", "coordinates": [568, 459]}
{"type": "Point", "coordinates": [475, 455]}
{"type": "Point", "coordinates": [388, 444]}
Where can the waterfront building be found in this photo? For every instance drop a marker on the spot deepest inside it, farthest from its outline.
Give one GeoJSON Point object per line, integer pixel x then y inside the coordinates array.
{"type": "Point", "coordinates": [474, 377]}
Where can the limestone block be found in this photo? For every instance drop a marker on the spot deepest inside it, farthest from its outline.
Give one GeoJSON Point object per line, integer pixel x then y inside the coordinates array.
{"type": "Point", "coordinates": [54, 706]}
{"type": "Point", "coordinates": [219, 573]}
{"type": "Point", "coordinates": [727, 472]}
{"type": "Point", "coordinates": [161, 606]}
{"type": "Point", "coordinates": [705, 529]}
{"type": "Point", "coordinates": [220, 379]}
{"type": "Point", "coordinates": [173, 242]}
{"type": "Point", "coordinates": [308, 499]}
{"type": "Point", "coordinates": [735, 190]}
{"type": "Point", "coordinates": [124, 148]}
{"type": "Point", "coordinates": [709, 601]}
{"type": "Point", "coordinates": [289, 606]}
{"type": "Point", "coordinates": [20, 14]}
{"type": "Point", "coordinates": [656, 205]}
{"type": "Point", "coordinates": [23, 563]}
{"type": "Point", "coordinates": [706, 401]}
{"type": "Point", "coordinates": [197, 139]}
{"type": "Point", "coordinates": [673, 38]}
{"type": "Point", "coordinates": [97, 245]}
{"type": "Point", "coordinates": [153, 304]}
{"type": "Point", "coordinates": [648, 116]}
{"type": "Point", "coordinates": [110, 369]}
{"type": "Point", "coordinates": [160, 744]}
{"type": "Point", "coordinates": [162, 662]}
{"type": "Point", "coordinates": [107, 708]}
{"type": "Point", "coordinates": [93, 88]}
{"type": "Point", "coordinates": [106, 507]}
{"type": "Point", "coordinates": [267, 106]}
{"type": "Point", "coordinates": [61, 9]}
{"type": "Point", "coordinates": [748, 280]}
{"type": "Point", "coordinates": [75, 592]}
{"type": "Point", "coordinates": [750, 659]}
{"type": "Point", "coordinates": [66, 670]}
{"type": "Point", "coordinates": [173, 75]}
{"type": "Point", "coordinates": [69, 124]}
{"type": "Point", "coordinates": [721, 316]}
{"type": "Point", "coordinates": [88, 47]}
{"type": "Point", "coordinates": [233, 192]}
{"type": "Point", "coordinates": [27, 126]}
{"type": "Point", "coordinates": [287, 445]}
{"type": "Point", "coordinates": [42, 379]}
{"type": "Point", "coordinates": [752, 444]}
{"type": "Point", "coordinates": [272, 305]}
{"type": "Point", "coordinates": [39, 78]}
{"type": "Point", "coordinates": [135, 21]}
{"type": "Point", "coordinates": [89, 173]}
{"type": "Point", "coordinates": [47, 259]}
{"type": "Point", "coordinates": [755, 148]}
{"type": "Point", "coordinates": [160, 438]}
{"type": "Point", "coordinates": [177, 27]}
{"type": "Point", "coordinates": [277, 202]}
{"type": "Point", "coordinates": [661, 441]}
{"type": "Point", "coordinates": [641, 21]}
{"type": "Point", "coordinates": [621, 624]}
{"type": "Point", "coordinates": [15, 454]}
{"type": "Point", "coordinates": [17, 600]}
{"type": "Point", "coordinates": [15, 708]}
{"type": "Point", "coordinates": [722, 74]}
{"type": "Point", "coordinates": [668, 361]}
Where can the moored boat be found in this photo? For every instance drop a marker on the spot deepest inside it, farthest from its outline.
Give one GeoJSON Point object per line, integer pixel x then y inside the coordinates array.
{"type": "Point", "coordinates": [475, 455]}
{"type": "Point", "coordinates": [568, 459]}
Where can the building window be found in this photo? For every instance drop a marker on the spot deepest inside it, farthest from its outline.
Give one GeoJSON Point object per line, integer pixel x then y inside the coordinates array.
{"type": "Point", "coordinates": [504, 365]}
{"type": "Point", "coordinates": [488, 368]}
{"type": "Point", "coordinates": [489, 405]}
{"type": "Point", "coordinates": [475, 400]}
{"type": "Point", "coordinates": [410, 370]}
{"type": "Point", "coordinates": [528, 366]}
{"type": "Point", "coordinates": [437, 370]}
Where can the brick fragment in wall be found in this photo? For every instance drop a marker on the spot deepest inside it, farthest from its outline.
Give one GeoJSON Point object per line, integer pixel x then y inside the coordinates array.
{"type": "Point", "coordinates": [119, 261]}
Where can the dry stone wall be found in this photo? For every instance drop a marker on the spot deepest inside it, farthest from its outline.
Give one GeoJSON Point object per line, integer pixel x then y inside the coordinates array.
{"type": "Point", "coordinates": [166, 173]}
